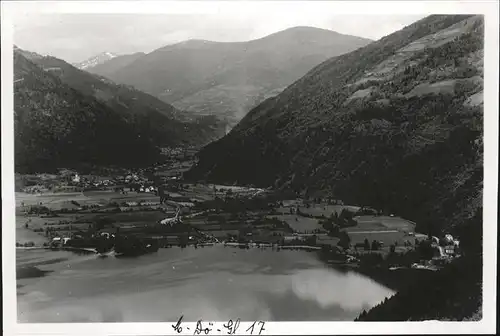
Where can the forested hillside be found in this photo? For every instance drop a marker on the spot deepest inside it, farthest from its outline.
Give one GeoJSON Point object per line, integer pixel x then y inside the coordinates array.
{"type": "Point", "coordinates": [57, 126]}
{"type": "Point", "coordinates": [396, 125]}
{"type": "Point", "coordinates": [169, 124]}
{"type": "Point", "coordinates": [68, 116]}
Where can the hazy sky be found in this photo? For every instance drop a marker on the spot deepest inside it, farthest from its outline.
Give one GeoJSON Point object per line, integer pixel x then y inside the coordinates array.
{"type": "Point", "coordinates": [76, 37]}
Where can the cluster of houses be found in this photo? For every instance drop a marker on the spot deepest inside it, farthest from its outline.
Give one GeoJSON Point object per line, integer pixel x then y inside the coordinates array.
{"type": "Point", "coordinates": [172, 151]}
{"type": "Point", "coordinates": [129, 206]}
{"type": "Point", "coordinates": [444, 251]}
{"type": "Point", "coordinates": [447, 247]}
{"type": "Point", "coordinates": [139, 188]}
{"type": "Point", "coordinates": [139, 203]}
{"type": "Point", "coordinates": [36, 189]}
{"type": "Point", "coordinates": [130, 178]}
{"type": "Point", "coordinates": [72, 178]}
{"type": "Point", "coordinates": [150, 189]}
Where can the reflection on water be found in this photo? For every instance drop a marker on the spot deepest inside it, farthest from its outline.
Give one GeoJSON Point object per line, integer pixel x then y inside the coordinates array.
{"type": "Point", "coordinates": [213, 283]}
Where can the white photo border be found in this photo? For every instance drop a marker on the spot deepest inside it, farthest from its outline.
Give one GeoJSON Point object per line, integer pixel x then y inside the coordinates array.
{"type": "Point", "coordinates": [490, 9]}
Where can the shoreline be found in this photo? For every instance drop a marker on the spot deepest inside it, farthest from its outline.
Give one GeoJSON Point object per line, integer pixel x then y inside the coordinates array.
{"type": "Point", "coordinates": [387, 277]}
{"type": "Point", "coordinates": [69, 248]}
{"type": "Point", "coordinates": [397, 279]}
{"type": "Point", "coordinates": [393, 279]}
{"type": "Point", "coordinates": [273, 246]}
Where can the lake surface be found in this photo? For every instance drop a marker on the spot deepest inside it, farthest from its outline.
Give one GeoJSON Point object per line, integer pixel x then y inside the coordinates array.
{"type": "Point", "coordinates": [212, 283]}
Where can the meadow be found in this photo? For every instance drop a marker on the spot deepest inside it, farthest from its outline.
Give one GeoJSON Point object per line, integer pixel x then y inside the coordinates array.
{"type": "Point", "coordinates": [385, 223]}
{"type": "Point", "coordinates": [299, 223]}
{"type": "Point", "coordinates": [315, 210]}
{"type": "Point", "coordinates": [386, 229]}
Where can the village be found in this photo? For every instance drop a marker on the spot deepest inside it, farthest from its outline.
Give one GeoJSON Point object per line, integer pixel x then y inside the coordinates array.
{"type": "Point", "coordinates": [158, 209]}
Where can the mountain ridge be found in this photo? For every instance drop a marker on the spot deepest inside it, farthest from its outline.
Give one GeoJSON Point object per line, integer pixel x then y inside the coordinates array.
{"type": "Point", "coordinates": [95, 60]}
{"type": "Point", "coordinates": [114, 64]}
{"type": "Point", "coordinates": [49, 134]}
{"type": "Point", "coordinates": [228, 78]}
{"type": "Point", "coordinates": [295, 29]}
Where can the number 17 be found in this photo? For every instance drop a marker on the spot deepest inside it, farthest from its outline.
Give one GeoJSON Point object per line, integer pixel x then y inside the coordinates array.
{"type": "Point", "coordinates": [251, 328]}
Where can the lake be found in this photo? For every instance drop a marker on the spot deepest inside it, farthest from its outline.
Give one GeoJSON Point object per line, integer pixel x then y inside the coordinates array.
{"type": "Point", "coordinates": [212, 283]}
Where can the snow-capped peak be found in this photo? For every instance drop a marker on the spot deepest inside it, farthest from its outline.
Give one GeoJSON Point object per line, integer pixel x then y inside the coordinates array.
{"type": "Point", "coordinates": [96, 60]}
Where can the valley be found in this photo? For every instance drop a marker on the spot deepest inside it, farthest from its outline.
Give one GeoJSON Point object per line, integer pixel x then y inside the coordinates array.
{"type": "Point", "coordinates": [70, 211]}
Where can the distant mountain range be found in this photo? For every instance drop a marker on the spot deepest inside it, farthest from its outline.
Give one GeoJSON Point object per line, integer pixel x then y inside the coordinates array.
{"type": "Point", "coordinates": [95, 60]}
{"type": "Point", "coordinates": [227, 79]}
{"type": "Point", "coordinates": [68, 117]}
{"type": "Point", "coordinates": [397, 125]}
{"type": "Point", "coordinates": [108, 67]}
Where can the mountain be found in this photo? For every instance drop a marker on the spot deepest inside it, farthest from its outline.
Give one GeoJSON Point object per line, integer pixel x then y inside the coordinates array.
{"type": "Point", "coordinates": [28, 54]}
{"type": "Point", "coordinates": [56, 125]}
{"type": "Point", "coordinates": [125, 97]}
{"type": "Point", "coordinates": [66, 116]}
{"type": "Point", "coordinates": [114, 64]}
{"type": "Point", "coordinates": [228, 78]}
{"type": "Point", "coordinates": [397, 125]}
{"type": "Point", "coordinates": [95, 60]}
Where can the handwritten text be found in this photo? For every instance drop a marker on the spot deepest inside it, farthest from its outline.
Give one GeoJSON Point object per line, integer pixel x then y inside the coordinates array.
{"type": "Point", "coordinates": [231, 327]}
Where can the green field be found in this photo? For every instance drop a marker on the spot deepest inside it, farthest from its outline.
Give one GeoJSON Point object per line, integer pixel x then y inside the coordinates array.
{"type": "Point", "coordinates": [384, 228]}
{"type": "Point", "coordinates": [368, 226]}
{"type": "Point", "coordinates": [299, 223]}
{"type": "Point", "coordinates": [24, 235]}
{"type": "Point", "coordinates": [327, 240]}
{"type": "Point", "coordinates": [292, 202]}
{"type": "Point", "coordinates": [211, 225]}
{"type": "Point", "coordinates": [317, 210]}
{"type": "Point", "coordinates": [381, 223]}
{"type": "Point", "coordinates": [198, 192]}
{"type": "Point", "coordinates": [58, 201]}
{"type": "Point", "coordinates": [387, 237]}
{"type": "Point", "coordinates": [387, 229]}
{"type": "Point", "coordinates": [125, 217]}
{"type": "Point", "coordinates": [221, 234]}
{"type": "Point", "coordinates": [80, 221]}
{"type": "Point", "coordinates": [46, 199]}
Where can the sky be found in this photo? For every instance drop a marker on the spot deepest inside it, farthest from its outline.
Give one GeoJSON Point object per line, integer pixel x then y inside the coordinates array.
{"type": "Point", "coordinates": [75, 37]}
